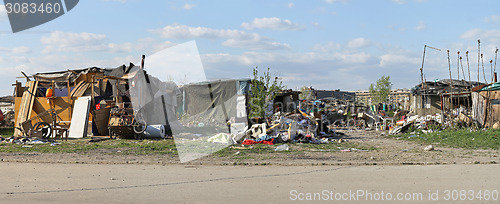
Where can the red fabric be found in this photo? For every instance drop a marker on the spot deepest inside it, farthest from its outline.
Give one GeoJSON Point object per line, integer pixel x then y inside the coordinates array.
{"type": "Point", "coordinates": [251, 142]}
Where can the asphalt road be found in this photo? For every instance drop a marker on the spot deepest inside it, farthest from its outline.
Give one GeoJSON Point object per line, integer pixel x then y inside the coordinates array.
{"type": "Point", "coordinates": [102, 183]}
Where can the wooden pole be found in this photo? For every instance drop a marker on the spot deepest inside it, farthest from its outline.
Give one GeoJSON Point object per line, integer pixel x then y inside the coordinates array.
{"type": "Point", "coordinates": [70, 107]}
{"type": "Point", "coordinates": [478, 58]}
{"type": "Point", "coordinates": [451, 86]}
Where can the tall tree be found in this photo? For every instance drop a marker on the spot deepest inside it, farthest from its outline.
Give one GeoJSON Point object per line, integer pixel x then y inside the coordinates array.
{"type": "Point", "coordinates": [305, 93]}
{"type": "Point", "coordinates": [262, 91]}
{"type": "Point", "coordinates": [380, 91]}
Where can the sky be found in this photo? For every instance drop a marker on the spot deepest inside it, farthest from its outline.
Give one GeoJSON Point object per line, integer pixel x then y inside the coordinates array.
{"type": "Point", "coordinates": [326, 44]}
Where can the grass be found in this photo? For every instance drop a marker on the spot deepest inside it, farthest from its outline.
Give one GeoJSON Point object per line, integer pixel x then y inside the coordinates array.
{"type": "Point", "coordinates": [6, 131]}
{"type": "Point", "coordinates": [164, 147]}
{"type": "Point", "coordinates": [457, 138]}
{"type": "Point", "coordinates": [259, 150]}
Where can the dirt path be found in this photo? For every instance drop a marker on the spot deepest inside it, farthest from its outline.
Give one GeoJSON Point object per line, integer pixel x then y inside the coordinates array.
{"type": "Point", "coordinates": [386, 151]}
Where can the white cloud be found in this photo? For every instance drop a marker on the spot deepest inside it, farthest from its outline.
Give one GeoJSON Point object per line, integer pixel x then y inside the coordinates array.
{"type": "Point", "coordinates": [59, 41]}
{"type": "Point", "coordinates": [326, 47]}
{"type": "Point", "coordinates": [15, 50]}
{"type": "Point", "coordinates": [253, 58]}
{"type": "Point", "coordinates": [189, 6]}
{"type": "Point", "coordinates": [20, 59]}
{"type": "Point", "coordinates": [492, 19]}
{"type": "Point", "coordinates": [291, 5]}
{"type": "Point", "coordinates": [3, 13]}
{"type": "Point", "coordinates": [391, 60]}
{"type": "Point", "coordinates": [491, 36]}
{"type": "Point", "coordinates": [21, 50]}
{"type": "Point", "coordinates": [358, 43]}
{"type": "Point", "coordinates": [272, 23]}
{"type": "Point", "coordinates": [399, 1]}
{"type": "Point", "coordinates": [234, 38]}
{"type": "Point", "coordinates": [350, 70]}
{"type": "Point", "coordinates": [421, 26]}
{"type": "Point", "coordinates": [336, 1]}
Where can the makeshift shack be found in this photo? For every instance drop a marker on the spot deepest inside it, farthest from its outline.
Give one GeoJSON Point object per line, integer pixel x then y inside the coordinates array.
{"type": "Point", "coordinates": [486, 107]}
{"type": "Point", "coordinates": [57, 101]}
{"type": "Point", "coordinates": [440, 96]}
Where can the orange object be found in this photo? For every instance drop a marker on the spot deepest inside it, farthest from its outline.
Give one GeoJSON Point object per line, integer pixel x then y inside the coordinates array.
{"type": "Point", "coordinates": [49, 92]}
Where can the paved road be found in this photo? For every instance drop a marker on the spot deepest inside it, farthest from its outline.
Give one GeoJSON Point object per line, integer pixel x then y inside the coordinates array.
{"type": "Point", "coordinates": [84, 183]}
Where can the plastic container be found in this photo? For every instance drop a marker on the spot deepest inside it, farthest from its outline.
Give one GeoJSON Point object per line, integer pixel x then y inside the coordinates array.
{"type": "Point", "coordinates": [154, 131]}
{"type": "Point", "coordinates": [283, 147]}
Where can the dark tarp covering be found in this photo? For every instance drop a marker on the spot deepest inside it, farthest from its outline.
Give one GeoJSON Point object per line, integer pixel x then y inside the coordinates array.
{"type": "Point", "coordinates": [444, 86]}
{"type": "Point", "coordinates": [212, 97]}
{"type": "Point", "coordinates": [64, 76]}
{"type": "Point", "coordinates": [73, 74]}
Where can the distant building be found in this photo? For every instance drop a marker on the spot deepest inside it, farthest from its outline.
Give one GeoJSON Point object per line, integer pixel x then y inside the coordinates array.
{"type": "Point", "coordinates": [337, 94]}
{"type": "Point", "coordinates": [395, 96]}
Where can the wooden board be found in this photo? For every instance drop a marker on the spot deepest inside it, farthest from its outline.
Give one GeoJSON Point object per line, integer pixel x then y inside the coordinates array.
{"type": "Point", "coordinates": [79, 89]}
{"type": "Point", "coordinates": [101, 120]}
{"type": "Point", "coordinates": [79, 121]}
{"type": "Point", "coordinates": [26, 105]}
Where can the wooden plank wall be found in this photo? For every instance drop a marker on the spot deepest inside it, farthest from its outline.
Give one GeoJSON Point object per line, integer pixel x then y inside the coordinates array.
{"type": "Point", "coordinates": [26, 104]}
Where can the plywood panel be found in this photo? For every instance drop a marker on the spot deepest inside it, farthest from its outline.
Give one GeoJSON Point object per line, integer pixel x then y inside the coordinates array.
{"type": "Point", "coordinates": [79, 121]}
{"type": "Point", "coordinates": [26, 105]}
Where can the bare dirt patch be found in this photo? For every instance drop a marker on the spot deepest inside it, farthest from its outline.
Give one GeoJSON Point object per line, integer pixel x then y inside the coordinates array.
{"type": "Point", "coordinates": [357, 148]}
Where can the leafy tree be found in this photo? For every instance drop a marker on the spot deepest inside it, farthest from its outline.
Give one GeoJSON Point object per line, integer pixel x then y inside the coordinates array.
{"type": "Point", "coordinates": [262, 91]}
{"type": "Point", "coordinates": [380, 91]}
{"type": "Point", "coordinates": [305, 93]}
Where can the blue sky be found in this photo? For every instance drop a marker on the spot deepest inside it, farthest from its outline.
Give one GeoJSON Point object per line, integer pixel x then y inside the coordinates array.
{"type": "Point", "coordinates": [327, 44]}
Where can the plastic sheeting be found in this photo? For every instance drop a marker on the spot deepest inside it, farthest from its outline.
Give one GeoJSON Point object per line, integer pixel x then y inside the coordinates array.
{"type": "Point", "coordinates": [209, 106]}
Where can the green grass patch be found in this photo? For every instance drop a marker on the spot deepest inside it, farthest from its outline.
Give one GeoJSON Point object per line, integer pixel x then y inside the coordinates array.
{"type": "Point", "coordinates": [458, 138]}
{"type": "Point", "coordinates": [168, 147]}
{"type": "Point", "coordinates": [105, 147]}
{"type": "Point", "coordinates": [6, 132]}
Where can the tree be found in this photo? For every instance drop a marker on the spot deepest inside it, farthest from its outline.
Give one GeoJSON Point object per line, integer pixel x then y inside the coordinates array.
{"type": "Point", "coordinates": [305, 93]}
{"type": "Point", "coordinates": [380, 91]}
{"type": "Point", "coordinates": [262, 91]}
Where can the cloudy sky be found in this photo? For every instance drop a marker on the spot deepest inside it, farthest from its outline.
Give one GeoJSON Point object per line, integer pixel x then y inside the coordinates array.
{"type": "Point", "coordinates": [327, 44]}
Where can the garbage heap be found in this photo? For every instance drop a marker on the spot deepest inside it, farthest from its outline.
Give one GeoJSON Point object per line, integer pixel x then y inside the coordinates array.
{"type": "Point", "coordinates": [295, 127]}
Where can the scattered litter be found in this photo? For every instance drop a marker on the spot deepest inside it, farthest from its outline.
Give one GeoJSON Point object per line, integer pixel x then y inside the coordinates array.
{"type": "Point", "coordinates": [221, 138]}
{"type": "Point", "coordinates": [429, 148]}
{"type": "Point", "coordinates": [283, 147]}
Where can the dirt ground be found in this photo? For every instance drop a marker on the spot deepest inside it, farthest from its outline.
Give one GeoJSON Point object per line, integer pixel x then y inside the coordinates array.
{"type": "Point", "coordinates": [385, 151]}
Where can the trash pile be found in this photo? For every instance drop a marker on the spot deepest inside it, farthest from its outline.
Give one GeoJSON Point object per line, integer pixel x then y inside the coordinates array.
{"type": "Point", "coordinates": [430, 123]}
{"type": "Point", "coordinates": [281, 128]}
{"type": "Point", "coordinates": [417, 122]}
{"type": "Point", "coordinates": [28, 140]}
